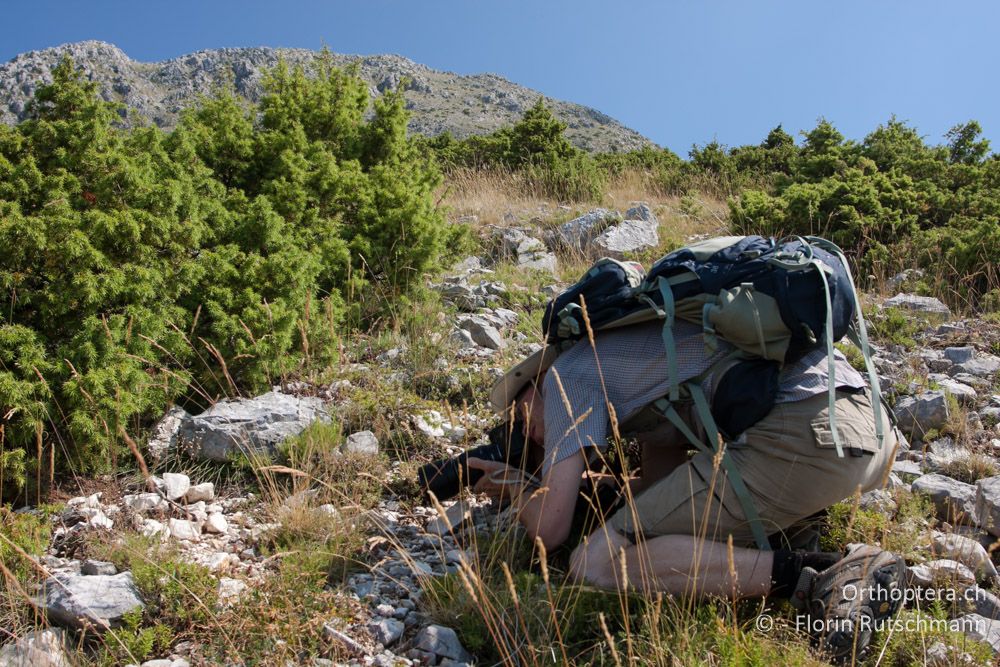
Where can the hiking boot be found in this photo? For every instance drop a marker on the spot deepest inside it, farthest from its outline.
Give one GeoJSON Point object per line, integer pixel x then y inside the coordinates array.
{"type": "Point", "coordinates": [848, 601]}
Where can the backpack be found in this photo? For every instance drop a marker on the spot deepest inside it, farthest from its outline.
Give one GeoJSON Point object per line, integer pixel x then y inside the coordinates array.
{"type": "Point", "coordinates": [773, 301]}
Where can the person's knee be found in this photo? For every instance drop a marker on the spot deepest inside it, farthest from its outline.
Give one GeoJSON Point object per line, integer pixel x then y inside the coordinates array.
{"type": "Point", "coordinates": [594, 561]}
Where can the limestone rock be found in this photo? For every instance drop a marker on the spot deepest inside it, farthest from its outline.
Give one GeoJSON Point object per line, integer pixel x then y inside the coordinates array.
{"type": "Point", "coordinates": [983, 366]}
{"type": "Point", "coordinates": [980, 629]}
{"type": "Point", "coordinates": [965, 550]}
{"type": "Point", "coordinates": [152, 528]}
{"type": "Point", "coordinates": [988, 504]}
{"type": "Point", "coordinates": [953, 499]}
{"type": "Point", "coordinates": [96, 567]}
{"type": "Point", "coordinates": [442, 642]}
{"type": "Point", "coordinates": [387, 631]}
{"type": "Point", "coordinates": [922, 304]}
{"type": "Point", "coordinates": [37, 648]}
{"type": "Point", "coordinates": [145, 502]}
{"type": "Point", "coordinates": [230, 590]}
{"type": "Point", "coordinates": [963, 393]}
{"type": "Point", "coordinates": [253, 426]}
{"type": "Point", "coordinates": [943, 572]}
{"type": "Point", "coordinates": [579, 231]}
{"type": "Point", "coordinates": [919, 414]}
{"type": "Point", "coordinates": [627, 237]}
{"type": "Point", "coordinates": [362, 442]}
{"type": "Point", "coordinates": [181, 529]}
{"type": "Point", "coordinates": [641, 211]}
{"type": "Point", "coordinates": [987, 603]}
{"type": "Point", "coordinates": [163, 436]}
{"type": "Point", "coordinates": [175, 485]}
{"type": "Point", "coordinates": [451, 521]}
{"type": "Point", "coordinates": [99, 601]}
{"type": "Point", "coordinates": [482, 332]}
{"type": "Point", "coordinates": [959, 355]}
{"type": "Point", "coordinates": [216, 523]}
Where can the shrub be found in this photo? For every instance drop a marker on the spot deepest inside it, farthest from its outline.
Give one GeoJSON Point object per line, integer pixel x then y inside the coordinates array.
{"type": "Point", "coordinates": [142, 267]}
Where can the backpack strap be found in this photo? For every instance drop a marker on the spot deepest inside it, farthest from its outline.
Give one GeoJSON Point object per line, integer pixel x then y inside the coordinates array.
{"type": "Point", "coordinates": [667, 313]}
{"type": "Point", "coordinates": [858, 334]}
{"type": "Point", "coordinates": [712, 449]}
{"type": "Point", "coordinates": [831, 362]}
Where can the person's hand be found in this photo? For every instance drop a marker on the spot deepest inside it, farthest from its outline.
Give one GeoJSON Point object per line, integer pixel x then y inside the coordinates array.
{"type": "Point", "coordinates": [499, 481]}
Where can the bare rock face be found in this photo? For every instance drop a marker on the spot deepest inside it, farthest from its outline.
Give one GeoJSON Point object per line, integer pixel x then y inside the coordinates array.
{"type": "Point", "coordinates": [97, 601]}
{"type": "Point", "coordinates": [251, 426]}
{"type": "Point", "coordinates": [438, 101]}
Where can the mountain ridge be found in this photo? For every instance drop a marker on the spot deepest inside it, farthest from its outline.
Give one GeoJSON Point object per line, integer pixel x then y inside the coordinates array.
{"type": "Point", "coordinates": [438, 101]}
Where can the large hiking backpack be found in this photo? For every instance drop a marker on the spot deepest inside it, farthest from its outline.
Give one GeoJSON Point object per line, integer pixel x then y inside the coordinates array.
{"type": "Point", "coordinates": [773, 301]}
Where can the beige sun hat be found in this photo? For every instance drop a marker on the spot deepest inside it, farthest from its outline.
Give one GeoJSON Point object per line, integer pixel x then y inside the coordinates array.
{"type": "Point", "coordinates": [513, 381]}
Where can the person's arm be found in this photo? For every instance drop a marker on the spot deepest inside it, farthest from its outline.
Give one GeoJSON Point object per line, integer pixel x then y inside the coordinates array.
{"type": "Point", "coordinates": [547, 512]}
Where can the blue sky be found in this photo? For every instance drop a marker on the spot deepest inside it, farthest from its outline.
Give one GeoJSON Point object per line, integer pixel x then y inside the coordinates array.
{"type": "Point", "coordinates": [679, 72]}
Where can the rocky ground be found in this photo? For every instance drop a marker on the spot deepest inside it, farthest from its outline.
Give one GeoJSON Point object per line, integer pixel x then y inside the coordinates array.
{"type": "Point", "coordinates": [941, 372]}
{"type": "Point", "coordinates": [438, 101]}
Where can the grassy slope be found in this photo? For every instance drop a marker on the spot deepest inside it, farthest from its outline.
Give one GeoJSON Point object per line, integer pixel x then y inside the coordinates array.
{"type": "Point", "coordinates": [509, 602]}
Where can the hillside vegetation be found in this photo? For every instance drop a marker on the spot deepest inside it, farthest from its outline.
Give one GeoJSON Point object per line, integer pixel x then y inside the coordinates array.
{"type": "Point", "coordinates": [309, 242]}
{"type": "Point", "coordinates": [147, 267]}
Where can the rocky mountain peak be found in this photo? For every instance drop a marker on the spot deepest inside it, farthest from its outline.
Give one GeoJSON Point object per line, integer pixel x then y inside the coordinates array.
{"type": "Point", "coordinates": [438, 101]}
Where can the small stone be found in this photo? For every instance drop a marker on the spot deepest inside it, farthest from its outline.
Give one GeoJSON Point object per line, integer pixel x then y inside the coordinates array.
{"type": "Point", "coordinates": [221, 562]}
{"type": "Point", "coordinates": [175, 485]}
{"type": "Point", "coordinates": [980, 629]}
{"type": "Point", "coordinates": [922, 413]}
{"type": "Point", "coordinates": [387, 631]}
{"type": "Point", "coordinates": [453, 518]}
{"type": "Point", "coordinates": [958, 355]}
{"type": "Point", "coordinates": [430, 424]}
{"type": "Point", "coordinates": [152, 528]}
{"type": "Point", "coordinates": [943, 572]}
{"type": "Point", "coordinates": [96, 518]}
{"type": "Point", "coordinates": [200, 492]}
{"type": "Point", "coordinates": [163, 435]}
{"type": "Point", "coordinates": [988, 504]}
{"type": "Point", "coordinates": [965, 550]}
{"type": "Point", "coordinates": [91, 501]}
{"type": "Point", "coordinates": [577, 233]}
{"type": "Point", "coordinates": [37, 648]}
{"type": "Point", "coordinates": [145, 502]}
{"type": "Point", "coordinates": [939, 654]}
{"type": "Point", "coordinates": [95, 567]}
{"type": "Point", "coordinates": [483, 333]}
{"type": "Point", "coordinates": [99, 601]}
{"type": "Point", "coordinates": [230, 590]}
{"type": "Point", "coordinates": [162, 662]}
{"type": "Point", "coordinates": [983, 366]}
{"type": "Point", "coordinates": [216, 523]}
{"type": "Point", "coordinates": [963, 393]}
{"type": "Point", "coordinates": [907, 469]}
{"type": "Point", "coordinates": [953, 499]}
{"type": "Point", "coordinates": [442, 642]}
{"type": "Point", "coordinates": [922, 304]}
{"type": "Point", "coordinates": [362, 442]}
{"type": "Point", "coordinates": [628, 237]}
{"type": "Point", "coordinates": [182, 529]}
